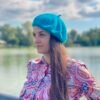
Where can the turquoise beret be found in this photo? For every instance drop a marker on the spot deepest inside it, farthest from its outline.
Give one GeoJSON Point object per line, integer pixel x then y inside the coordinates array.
{"type": "Point", "coordinates": [53, 24]}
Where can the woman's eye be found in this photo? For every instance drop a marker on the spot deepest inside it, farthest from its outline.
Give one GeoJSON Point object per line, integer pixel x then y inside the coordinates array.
{"type": "Point", "coordinates": [34, 34]}
{"type": "Point", "coordinates": [42, 34]}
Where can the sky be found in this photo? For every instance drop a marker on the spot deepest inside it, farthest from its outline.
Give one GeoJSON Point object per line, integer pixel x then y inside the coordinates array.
{"type": "Point", "coordinates": [80, 15]}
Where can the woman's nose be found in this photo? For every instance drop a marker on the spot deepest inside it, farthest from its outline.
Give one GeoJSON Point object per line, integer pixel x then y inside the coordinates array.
{"type": "Point", "coordinates": [37, 39]}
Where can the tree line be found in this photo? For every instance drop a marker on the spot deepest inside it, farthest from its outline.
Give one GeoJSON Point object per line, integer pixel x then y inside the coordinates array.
{"type": "Point", "coordinates": [22, 36]}
{"type": "Point", "coordinates": [90, 37]}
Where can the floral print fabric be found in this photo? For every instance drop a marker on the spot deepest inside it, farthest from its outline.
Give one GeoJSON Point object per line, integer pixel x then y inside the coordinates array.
{"type": "Point", "coordinates": [37, 85]}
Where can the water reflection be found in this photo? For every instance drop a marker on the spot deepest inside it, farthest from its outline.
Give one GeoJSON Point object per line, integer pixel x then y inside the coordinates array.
{"type": "Point", "coordinates": [13, 66]}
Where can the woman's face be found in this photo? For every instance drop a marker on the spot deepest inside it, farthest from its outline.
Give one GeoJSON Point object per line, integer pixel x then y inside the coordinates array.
{"type": "Point", "coordinates": [41, 39]}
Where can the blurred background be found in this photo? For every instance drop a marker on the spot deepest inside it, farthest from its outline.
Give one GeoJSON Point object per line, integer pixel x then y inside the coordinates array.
{"type": "Point", "coordinates": [82, 19]}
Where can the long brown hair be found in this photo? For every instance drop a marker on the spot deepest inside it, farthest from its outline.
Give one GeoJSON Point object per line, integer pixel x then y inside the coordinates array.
{"type": "Point", "coordinates": [58, 89]}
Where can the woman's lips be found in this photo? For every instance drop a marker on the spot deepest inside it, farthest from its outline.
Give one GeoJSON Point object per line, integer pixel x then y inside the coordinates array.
{"type": "Point", "coordinates": [39, 46]}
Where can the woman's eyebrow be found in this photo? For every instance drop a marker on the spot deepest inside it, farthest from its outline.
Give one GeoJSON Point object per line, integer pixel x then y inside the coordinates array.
{"type": "Point", "coordinates": [38, 32]}
{"type": "Point", "coordinates": [41, 31]}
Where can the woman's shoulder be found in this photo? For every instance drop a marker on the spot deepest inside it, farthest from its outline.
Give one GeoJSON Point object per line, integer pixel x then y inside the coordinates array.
{"type": "Point", "coordinates": [33, 63]}
{"type": "Point", "coordinates": [76, 65]}
{"type": "Point", "coordinates": [72, 63]}
{"type": "Point", "coordinates": [79, 70]}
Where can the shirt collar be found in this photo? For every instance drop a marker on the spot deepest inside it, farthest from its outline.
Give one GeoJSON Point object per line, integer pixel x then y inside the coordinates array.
{"type": "Point", "coordinates": [43, 60]}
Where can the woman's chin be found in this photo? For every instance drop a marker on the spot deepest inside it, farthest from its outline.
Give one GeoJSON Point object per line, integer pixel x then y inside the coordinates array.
{"type": "Point", "coordinates": [41, 52]}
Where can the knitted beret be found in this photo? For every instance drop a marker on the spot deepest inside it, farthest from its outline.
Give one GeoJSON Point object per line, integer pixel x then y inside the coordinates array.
{"type": "Point", "coordinates": [53, 24]}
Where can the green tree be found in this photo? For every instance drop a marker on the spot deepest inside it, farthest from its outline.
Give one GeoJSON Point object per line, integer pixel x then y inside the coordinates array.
{"type": "Point", "coordinates": [9, 34]}
{"type": "Point", "coordinates": [72, 38]}
{"type": "Point", "coordinates": [27, 30]}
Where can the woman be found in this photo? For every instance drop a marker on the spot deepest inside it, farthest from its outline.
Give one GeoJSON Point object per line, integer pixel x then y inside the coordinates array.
{"type": "Point", "coordinates": [55, 76]}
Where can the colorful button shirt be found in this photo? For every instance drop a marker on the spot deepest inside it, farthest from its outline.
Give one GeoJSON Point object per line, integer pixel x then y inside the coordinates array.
{"type": "Point", "coordinates": [80, 81]}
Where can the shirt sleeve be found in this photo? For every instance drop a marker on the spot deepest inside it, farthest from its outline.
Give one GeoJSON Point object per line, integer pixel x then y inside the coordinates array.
{"type": "Point", "coordinates": [86, 83]}
{"type": "Point", "coordinates": [30, 85]}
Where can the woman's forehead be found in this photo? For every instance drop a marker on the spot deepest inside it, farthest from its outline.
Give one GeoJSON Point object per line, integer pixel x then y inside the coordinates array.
{"type": "Point", "coordinates": [35, 28]}
{"type": "Point", "coordinates": [39, 30]}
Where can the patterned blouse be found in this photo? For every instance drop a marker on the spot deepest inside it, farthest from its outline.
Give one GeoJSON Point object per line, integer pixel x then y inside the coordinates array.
{"type": "Point", "coordinates": [37, 85]}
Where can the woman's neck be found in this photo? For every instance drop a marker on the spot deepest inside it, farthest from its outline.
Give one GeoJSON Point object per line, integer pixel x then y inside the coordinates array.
{"type": "Point", "coordinates": [47, 58]}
